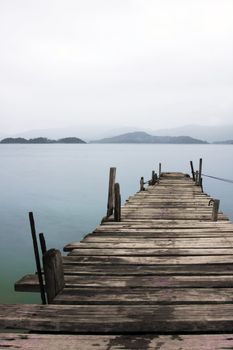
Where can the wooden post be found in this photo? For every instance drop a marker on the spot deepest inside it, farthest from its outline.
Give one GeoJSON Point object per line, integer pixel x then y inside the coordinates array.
{"type": "Point", "coordinates": [42, 243]}
{"type": "Point", "coordinates": [201, 184]}
{"type": "Point", "coordinates": [112, 177]}
{"type": "Point", "coordinates": [216, 203]}
{"type": "Point", "coordinates": [160, 167]}
{"type": "Point", "coordinates": [117, 206]}
{"type": "Point", "coordinates": [200, 172]}
{"type": "Point", "coordinates": [142, 188]}
{"type": "Point", "coordinates": [192, 170]}
{"type": "Point", "coordinates": [54, 274]}
{"type": "Point", "coordinates": [153, 178]}
{"type": "Point", "coordinates": [37, 258]}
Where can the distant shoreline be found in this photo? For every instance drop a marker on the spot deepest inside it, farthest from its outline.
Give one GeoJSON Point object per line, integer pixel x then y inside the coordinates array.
{"type": "Point", "coordinates": [136, 138]}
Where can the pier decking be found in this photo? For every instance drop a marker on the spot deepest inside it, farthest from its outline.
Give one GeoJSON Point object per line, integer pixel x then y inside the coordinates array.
{"type": "Point", "coordinates": [161, 278]}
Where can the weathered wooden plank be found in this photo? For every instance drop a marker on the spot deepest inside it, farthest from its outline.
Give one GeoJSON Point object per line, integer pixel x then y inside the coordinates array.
{"type": "Point", "coordinates": [118, 319]}
{"type": "Point", "coordinates": [30, 283]}
{"type": "Point", "coordinates": [171, 216]}
{"type": "Point", "coordinates": [124, 270]}
{"type": "Point", "coordinates": [142, 230]}
{"type": "Point", "coordinates": [129, 296]}
{"type": "Point", "coordinates": [148, 251]}
{"type": "Point", "coordinates": [115, 342]}
{"type": "Point", "coordinates": [169, 211]}
{"type": "Point", "coordinates": [178, 243]}
{"type": "Point", "coordinates": [164, 223]}
{"type": "Point", "coordinates": [153, 260]}
{"type": "Point", "coordinates": [125, 236]}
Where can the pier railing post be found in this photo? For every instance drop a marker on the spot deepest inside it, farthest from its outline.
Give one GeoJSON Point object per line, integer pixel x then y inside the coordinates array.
{"type": "Point", "coordinates": [117, 206]}
{"type": "Point", "coordinates": [200, 171]}
{"type": "Point", "coordinates": [111, 201]}
{"type": "Point", "coordinates": [153, 178]}
{"type": "Point", "coordinates": [37, 257]}
{"type": "Point", "coordinates": [142, 188]}
{"type": "Point", "coordinates": [192, 170]}
{"type": "Point", "coordinates": [53, 272]}
{"type": "Point", "coordinates": [160, 169]}
{"type": "Point", "coordinates": [42, 243]}
{"type": "Point", "coordinates": [215, 208]}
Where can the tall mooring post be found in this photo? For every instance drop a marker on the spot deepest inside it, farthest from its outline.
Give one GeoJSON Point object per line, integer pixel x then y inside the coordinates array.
{"type": "Point", "coordinates": [111, 194]}
{"type": "Point", "coordinates": [117, 200]}
{"type": "Point", "coordinates": [200, 172]}
{"type": "Point", "coordinates": [160, 169]}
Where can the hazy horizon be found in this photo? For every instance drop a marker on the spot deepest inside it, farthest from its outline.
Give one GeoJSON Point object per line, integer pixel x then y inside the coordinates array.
{"type": "Point", "coordinates": [204, 133]}
{"type": "Point", "coordinates": [146, 64]}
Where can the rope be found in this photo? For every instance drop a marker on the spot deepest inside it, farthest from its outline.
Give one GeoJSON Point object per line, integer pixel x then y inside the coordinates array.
{"type": "Point", "coordinates": [146, 182]}
{"type": "Point", "coordinates": [219, 178]}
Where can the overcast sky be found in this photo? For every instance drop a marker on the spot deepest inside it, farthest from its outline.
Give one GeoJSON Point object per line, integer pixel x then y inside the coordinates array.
{"type": "Point", "coordinates": [141, 63]}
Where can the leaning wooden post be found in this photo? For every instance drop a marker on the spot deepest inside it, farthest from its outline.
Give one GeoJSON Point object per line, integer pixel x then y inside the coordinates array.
{"type": "Point", "coordinates": [112, 177]}
{"type": "Point", "coordinates": [42, 243]}
{"type": "Point", "coordinates": [54, 274]}
{"type": "Point", "coordinates": [37, 258]}
{"type": "Point", "coordinates": [192, 170]}
{"type": "Point", "coordinates": [200, 172]}
{"type": "Point", "coordinates": [160, 167]}
{"type": "Point", "coordinates": [142, 188]}
{"type": "Point", "coordinates": [117, 206]}
{"type": "Point", "coordinates": [215, 209]}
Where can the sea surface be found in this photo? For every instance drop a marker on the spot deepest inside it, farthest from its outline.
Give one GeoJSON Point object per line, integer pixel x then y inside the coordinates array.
{"type": "Point", "coordinates": [66, 188]}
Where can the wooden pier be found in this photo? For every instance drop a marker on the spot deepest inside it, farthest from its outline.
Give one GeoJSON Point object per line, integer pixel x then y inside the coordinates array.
{"type": "Point", "coordinates": [156, 274]}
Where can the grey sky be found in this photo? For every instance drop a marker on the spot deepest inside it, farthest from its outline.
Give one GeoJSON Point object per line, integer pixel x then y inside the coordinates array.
{"type": "Point", "coordinates": [142, 63]}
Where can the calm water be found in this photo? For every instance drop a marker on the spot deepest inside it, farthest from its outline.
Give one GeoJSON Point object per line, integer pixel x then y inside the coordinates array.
{"type": "Point", "coordinates": [66, 188]}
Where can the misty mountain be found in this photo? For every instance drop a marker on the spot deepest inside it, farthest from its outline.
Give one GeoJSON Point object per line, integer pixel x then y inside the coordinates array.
{"type": "Point", "coordinates": [94, 132]}
{"type": "Point", "coordinates": [143, 137]}
{"type": "Point", "coordinates": [87, 133]}
{"type": "Point", "coordinates": [208, 133]}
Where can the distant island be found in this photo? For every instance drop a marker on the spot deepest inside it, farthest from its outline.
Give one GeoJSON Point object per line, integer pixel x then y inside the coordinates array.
{"type": "Point", "coordinates": [40, 140]}
{"type": "Point", "coordinates": [143, 137]}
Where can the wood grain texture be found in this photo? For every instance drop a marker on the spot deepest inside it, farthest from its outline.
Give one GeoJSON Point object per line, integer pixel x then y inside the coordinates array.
{"type": "Point", "coordinates": [115, 342]}
{"type": "Point", "coordinates": [120, 319]}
